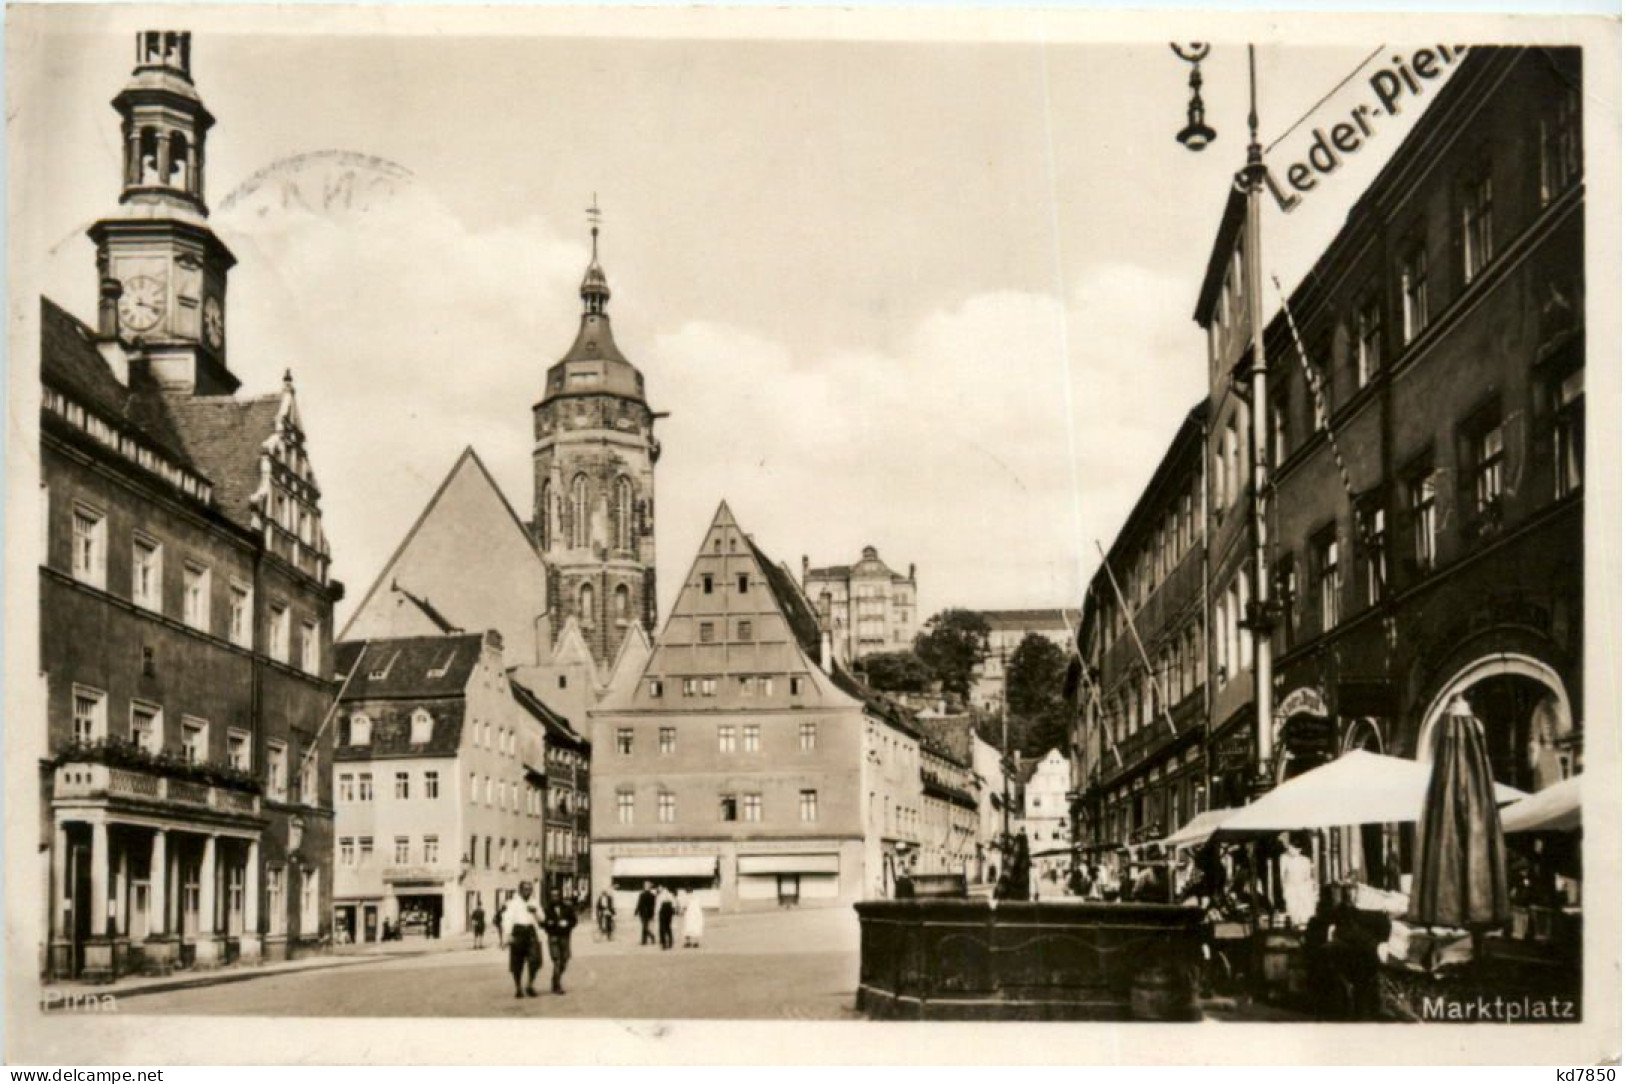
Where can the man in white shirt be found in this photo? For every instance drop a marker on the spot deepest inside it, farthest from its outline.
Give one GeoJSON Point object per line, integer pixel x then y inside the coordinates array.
{"type": "Point", "coordinates": [521, 921]}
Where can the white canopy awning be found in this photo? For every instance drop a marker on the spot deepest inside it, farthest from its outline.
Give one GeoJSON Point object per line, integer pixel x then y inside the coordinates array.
{"type": "Point", "coordinates": [1199, 829]}
{"type": "Point", "coordinates": [789, 863]}
{"type": "Point", "coordinates": [1555, 809]}
{"type": "Point", "coordinates": [1356, 788]}
{"type": "Point", "coordinates": [664, 865]}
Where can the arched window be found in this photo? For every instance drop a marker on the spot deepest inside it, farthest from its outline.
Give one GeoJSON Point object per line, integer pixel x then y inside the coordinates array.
{"type": "Point", "coordinates": [623, 513]}
{"type": "Point", "coordinates": [578, 512]}
{"type": "Point", "coordinates": [180, 172]}
{"type": "Point", "coordinates": [147, 157]}
{"type": "Point", "coordinates": [544, 515]}
{"type": "Point", "coordinates": [586, 609]}
{"type": "Point", "coordinates": [623, 604]}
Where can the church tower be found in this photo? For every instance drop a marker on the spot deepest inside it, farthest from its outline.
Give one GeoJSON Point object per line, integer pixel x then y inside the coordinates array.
{"type": "Point", "coordinates": [162, 269]}
{"type": "Point", "coordinates": [594, 462]}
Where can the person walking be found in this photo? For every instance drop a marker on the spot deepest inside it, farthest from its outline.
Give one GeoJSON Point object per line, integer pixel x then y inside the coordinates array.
{"type": "Point", "coordinates": [693, 920]}
{"type": "Point", "coordinates": [646, 912]}
{"type": "Point", "coordinates": [667, 911]}
{"type": "Point", "coordinates": [559, 923]}
{"type": "Point", "coordinates": [522, 921]}
{"type": "Point", "coordinates": [477, 922]}
{"type": "Point", "coordinates": [606, 915]}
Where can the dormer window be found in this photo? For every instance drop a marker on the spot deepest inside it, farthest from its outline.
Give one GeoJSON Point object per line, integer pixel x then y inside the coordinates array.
{"type": "Point", "coordinates": [445, 667]}
{"type": "Point", "coordinates": [422, 727]}
{"type": "Point", "coordinates": [378, 673]}
{"type": "Point", "coordinates": [360, 730]}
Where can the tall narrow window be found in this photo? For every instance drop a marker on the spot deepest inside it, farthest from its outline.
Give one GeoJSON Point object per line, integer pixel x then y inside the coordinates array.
{"type": "Point", "coordinates": [623, 514]}
{"type": "Point", "coordinates": [1373, 542]}
{"type": "Point", "coordinates": [147, 726]}
{"type": "Point", "coordinates": [1278, 446]}
{"type": "Point", "coordinates": [281, 631]}
{"type": "Point", "coordinates": [579, 527]}
{"type": "Point", "coordinates": [725, 739]}
{"type": "Point", "coordinates": [89, 546]}
{"type": "Point", "coordinates": [728, 808]}
{"type": "Point", "coordinates": [809, 805]}
{"type": "Point", "coordinates": [1368, 335]}
{"type": "Point", "coordinates": [809, 737]}
{"type": "Point", "coordinates": [668, 740]}
{"type": "Point", "coordinates": [238, 753]}
{"type": "Point", "coordinates": [195, 595]}
{"type": "Point", "coordinates": [753, 807]}
{"type": "Point", "coordinates": [586, 609]}
{"type": "Point", "coordinates": [240, 621]}
{"type": "Point", "coordinates": [310, 647]}
{"type": "Point", "coordinates": [1477, 236]}
{"type": "Point", "coordinates": [623, 807]}
{"type": "Point", "coordinates": [1422, 496]}
{"type": "Point", "coordinates": [276, 758]}
{"type": "Point", "coordinates": [89, 714]}
{"type": "Point", "coordinates": [1560, 157]}
{"type": "Point", "coordinates": [544, 515]}
{"type": "Point", "coordinates": [194, 740]}
{"type": "Point", "coordinates": [1330, 578]}
{"type": "Point", "coordinates": [1413, 288]}
{"type": "Point", "coordinates": [1568, 431]}
{"type": "Point", "coordinates": [752, 735]}
{"type": "Point", "coordinates": [666, 808]}
{"type": "Point", "coordinates": [1489, 458]}
{"type": "Point", "coordinates": [623, 604]}
{"type": "Point", "coordinates": [623, 741]}
{"type": "Point", "coordinates": [147, 573]}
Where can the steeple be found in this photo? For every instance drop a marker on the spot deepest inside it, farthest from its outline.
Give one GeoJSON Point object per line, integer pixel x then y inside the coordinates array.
{"type": "Point", "coordinates": [594, 460]}
{"type": "Point", "coordinates": [594, 286]}
{"type": "Point", "coordinates": [165, 124]}
{"type": "Point", "coordinates": [161, 269]}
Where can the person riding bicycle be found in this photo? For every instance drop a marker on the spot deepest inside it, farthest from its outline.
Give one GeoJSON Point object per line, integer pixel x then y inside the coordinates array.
{"type": "Point", "coordinates": [605, 911]}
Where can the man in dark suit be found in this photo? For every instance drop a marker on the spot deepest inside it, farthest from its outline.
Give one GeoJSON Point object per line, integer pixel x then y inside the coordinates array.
{"type": "Point", "coordinates": [646, 912]}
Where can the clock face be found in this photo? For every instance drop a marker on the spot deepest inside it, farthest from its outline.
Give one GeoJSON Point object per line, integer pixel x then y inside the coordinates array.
{"type": "Point", "coordinates": [214, 322]}
{"type": "Point", "coordinates": [142, 304]}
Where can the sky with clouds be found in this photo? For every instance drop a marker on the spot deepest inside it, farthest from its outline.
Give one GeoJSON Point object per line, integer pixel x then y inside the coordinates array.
{"type": "Point", "coordinates": [930, 295]}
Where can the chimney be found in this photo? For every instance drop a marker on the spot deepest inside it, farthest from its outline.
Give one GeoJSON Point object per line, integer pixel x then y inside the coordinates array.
{"type": "Point", "coordinates": [806, 568]}
{"type": "Point", "coordinates": [911, 572]}
{"type": "Point", "coordinates": [826, 648]}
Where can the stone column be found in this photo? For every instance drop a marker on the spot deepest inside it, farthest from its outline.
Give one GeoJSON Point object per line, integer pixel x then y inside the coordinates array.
{"type": "Point", "coordinates": [159, 875]}
{"type": "Point", "coordinates": [121, 892]}
{"type": "Point", "coordinates": [250, 940]}
{"type": "Point", "coordinates": [99, 860]}
{"type": "Point", "coordinates": [208, 936]}
{"type": "Point", "coordinates": [59, 920]}
{"type": "Point", "coordinates": [165, 149]}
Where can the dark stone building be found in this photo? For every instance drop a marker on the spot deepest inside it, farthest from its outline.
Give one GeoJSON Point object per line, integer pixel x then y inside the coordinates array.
{"type": "Point", "coordinates": [1137, 747]}
{"type": "Point", "coordinates": [186, 607]}
{"type": "Point", "coordinates": [1428, 444]}
{"type": "Point", "coordinates": [1425, 461]}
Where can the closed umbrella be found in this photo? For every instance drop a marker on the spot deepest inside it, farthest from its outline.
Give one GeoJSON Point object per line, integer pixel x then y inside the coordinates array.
{"type": "Point", "coordinates": [1461, 862]}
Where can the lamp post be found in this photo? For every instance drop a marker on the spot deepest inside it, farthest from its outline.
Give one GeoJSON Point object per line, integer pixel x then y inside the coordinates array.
{"type": "Point", "coordinates": [1260, 619]}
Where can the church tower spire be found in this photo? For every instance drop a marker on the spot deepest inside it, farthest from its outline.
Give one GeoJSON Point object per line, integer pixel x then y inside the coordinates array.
{"type": "Point", "coordinates": [169, 266]}
{"type": "Point", "coordinates": [594, 457]}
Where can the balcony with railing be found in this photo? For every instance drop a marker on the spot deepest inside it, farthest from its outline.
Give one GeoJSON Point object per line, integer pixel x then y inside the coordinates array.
{"type": "Point", "coordinates": [80, 781]}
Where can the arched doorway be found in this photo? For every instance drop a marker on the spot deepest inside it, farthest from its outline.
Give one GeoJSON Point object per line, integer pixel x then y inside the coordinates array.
{"type": "Point", "coordinates": [1529, 725]}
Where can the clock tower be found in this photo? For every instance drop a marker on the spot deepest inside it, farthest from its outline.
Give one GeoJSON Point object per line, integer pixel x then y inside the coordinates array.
{"type": "Point", "coordinates": [163, 270]}
{"type": "Point", "coordinates": [594, 461]}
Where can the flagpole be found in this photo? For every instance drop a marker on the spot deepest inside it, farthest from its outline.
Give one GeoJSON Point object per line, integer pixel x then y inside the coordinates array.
{"type": "Point", "coordinates": [1128, 619]}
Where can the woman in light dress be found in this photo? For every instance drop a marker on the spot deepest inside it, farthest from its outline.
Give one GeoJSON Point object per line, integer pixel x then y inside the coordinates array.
{"type": "Point", "coordinates": [693, 921]}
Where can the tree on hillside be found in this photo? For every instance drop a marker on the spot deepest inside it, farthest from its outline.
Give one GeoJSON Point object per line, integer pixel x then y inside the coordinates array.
{"type": "Point", "coordinates": [1035, 691]}
{"type": "Point", "coordinates": [953, 644]}
{"type": "Point", "coordinates": [896, 672]}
